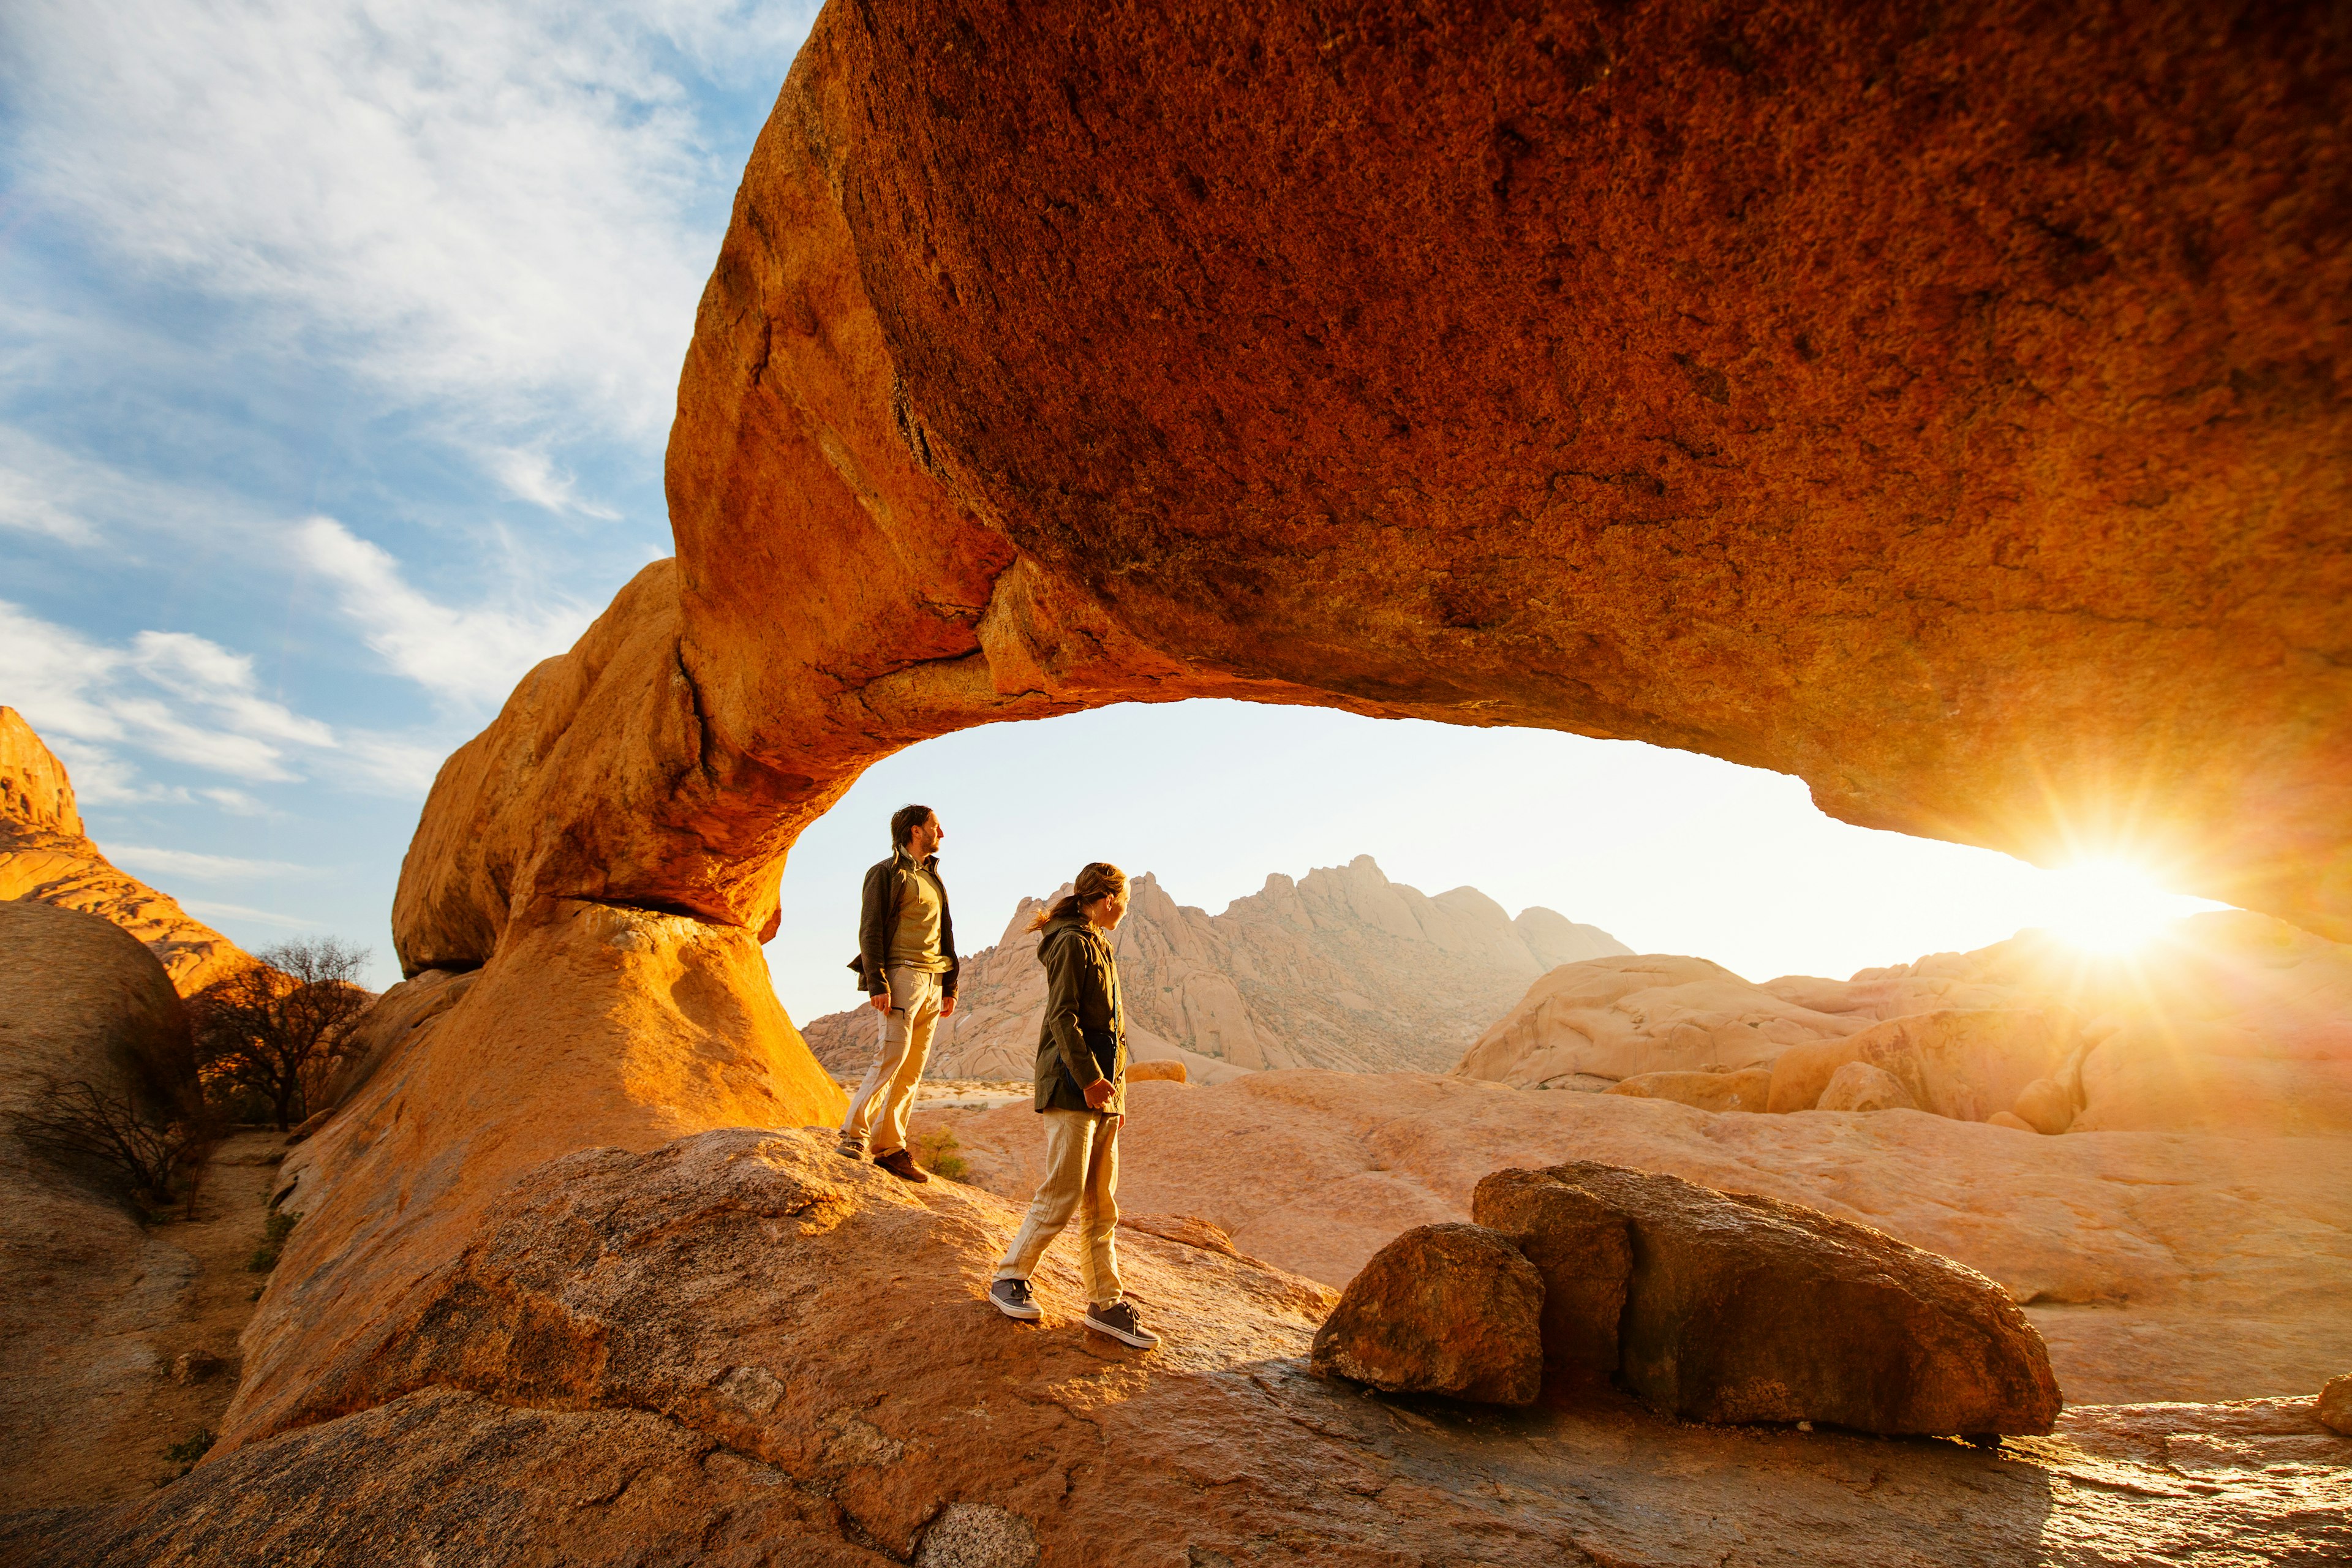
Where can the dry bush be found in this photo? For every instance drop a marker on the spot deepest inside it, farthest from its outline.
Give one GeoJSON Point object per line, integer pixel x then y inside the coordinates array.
{"type": "Point", "coordinates": [274, 1029]}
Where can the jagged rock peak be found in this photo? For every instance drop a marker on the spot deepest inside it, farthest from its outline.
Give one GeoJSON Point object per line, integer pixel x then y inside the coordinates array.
{"type": "Point", "coordinates": [46, 856]}
{"type": "Point", "coordinates": [35, 791]}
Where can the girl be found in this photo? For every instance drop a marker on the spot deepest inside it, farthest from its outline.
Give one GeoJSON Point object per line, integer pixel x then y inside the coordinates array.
{"type": "Point", "coordinates": [1082, 1094]}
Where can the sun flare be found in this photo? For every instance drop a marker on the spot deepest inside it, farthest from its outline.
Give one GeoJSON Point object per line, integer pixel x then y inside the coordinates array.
{"type": "Point", "coordinates": [2108, 906]}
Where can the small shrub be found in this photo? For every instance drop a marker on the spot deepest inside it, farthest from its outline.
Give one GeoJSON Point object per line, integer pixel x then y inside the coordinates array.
{"type": "Point", "coordinates": [186, 1452]}
{"type": "Point", "coordinates": [936, 1152]}
{"type": "Point", "coordinates": [273, 1241]}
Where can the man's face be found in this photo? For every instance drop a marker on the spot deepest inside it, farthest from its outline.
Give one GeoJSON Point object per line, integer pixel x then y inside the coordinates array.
{"type": "Point", "coordinates": [924, 841]}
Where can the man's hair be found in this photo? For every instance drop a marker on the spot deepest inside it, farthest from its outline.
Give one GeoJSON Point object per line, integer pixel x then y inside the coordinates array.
{"type": "Point", "coordinates": [905, 820]}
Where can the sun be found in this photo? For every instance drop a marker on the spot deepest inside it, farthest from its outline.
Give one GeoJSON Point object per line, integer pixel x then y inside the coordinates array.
{"type": "Point", "coordinates": [2108, 906]}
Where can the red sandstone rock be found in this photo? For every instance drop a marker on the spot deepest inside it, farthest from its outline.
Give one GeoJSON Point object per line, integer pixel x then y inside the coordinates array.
{"type": "Point", "coordinates": [1746, 1309]}
{"type": "Point", "coordinates": [1443, 1308]}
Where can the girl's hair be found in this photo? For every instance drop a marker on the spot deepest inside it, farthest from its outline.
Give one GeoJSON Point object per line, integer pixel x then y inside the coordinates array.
{"type": "Point", "coordinates": [1098, 877]}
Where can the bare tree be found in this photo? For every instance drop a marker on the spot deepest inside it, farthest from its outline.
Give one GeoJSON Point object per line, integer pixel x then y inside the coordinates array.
{"type": "Point", "coordinates": [262, 1028]}
{"type": "Point", "coordinates": [77, 1124]}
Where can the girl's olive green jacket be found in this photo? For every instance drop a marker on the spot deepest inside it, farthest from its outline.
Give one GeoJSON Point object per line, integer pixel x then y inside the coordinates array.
{"type": "Point", "coordinates": [1084, 1037]}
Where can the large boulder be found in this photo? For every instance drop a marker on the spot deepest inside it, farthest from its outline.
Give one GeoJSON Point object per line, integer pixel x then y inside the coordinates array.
{"type": "Point", "coordinates": [2335, 1405]}
{"type": "Point", "coordinates": [1860, 1086]}
{"type": "Point", "coordinates": [1443, 1308]}
{"type": "Point", "coordinates": [1622, 1017]}
{"type": "Point", "coordinates": [1742, 1309]}
{"type": "Point", "coordinates": [81, 1001]}
{"type": "Point", "coordinates": [1584, 1250]}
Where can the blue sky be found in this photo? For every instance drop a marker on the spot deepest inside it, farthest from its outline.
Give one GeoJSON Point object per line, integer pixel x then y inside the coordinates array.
{"type": "Point", "coordinates": [338, 343]}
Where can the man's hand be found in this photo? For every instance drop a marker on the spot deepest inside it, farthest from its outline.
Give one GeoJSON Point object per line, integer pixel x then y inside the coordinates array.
{"type": "Point", "coordinates": [1098, 1093]}
{"type": "Point", "coordinates": [880, 1001]}
{"type": "Point", "coordinates": [947, 1007]}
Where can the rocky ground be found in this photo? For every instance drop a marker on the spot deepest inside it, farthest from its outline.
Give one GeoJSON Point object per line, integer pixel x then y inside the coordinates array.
{"type": "Point", "coordinates": [2159, 1266]}
{"type": "Point", "coordinates": [743, 1349]}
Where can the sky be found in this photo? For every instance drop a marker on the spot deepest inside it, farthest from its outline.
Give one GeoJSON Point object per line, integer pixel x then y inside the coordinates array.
{"type": "Point", "coordinates": [338, 344]}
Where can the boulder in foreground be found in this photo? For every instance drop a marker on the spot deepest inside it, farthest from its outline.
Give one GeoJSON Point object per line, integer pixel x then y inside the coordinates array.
{"type": "Point", "coordinates": [1443, 1308]}
{"type": "Point", "coordinates": [1742, 1309]}
{"type": "Point", "coordinates": [2335, 1405]}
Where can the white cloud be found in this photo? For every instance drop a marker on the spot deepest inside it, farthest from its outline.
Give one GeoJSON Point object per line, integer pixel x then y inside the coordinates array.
{"type": "Point", "coordinates": [474, 655]}
{"type": "Point", "coordinates": [187, 701]}
{"type": "Point", "coordinates": [189, 865]}
{"type": "Point", "coordinates": [170, 693]}
{"type": "Point", "coordinates": [498, 209]}
{"type": "Point", "coordinates": [532, 476]}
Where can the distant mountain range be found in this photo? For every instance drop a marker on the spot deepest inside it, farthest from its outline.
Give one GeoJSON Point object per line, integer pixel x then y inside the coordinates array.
{"type": "Point", "coordinates": [1340, 969]}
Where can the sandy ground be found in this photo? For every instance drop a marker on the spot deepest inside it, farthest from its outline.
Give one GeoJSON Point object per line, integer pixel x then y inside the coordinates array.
{"type": "Point", "coordinates": [112, 1448]}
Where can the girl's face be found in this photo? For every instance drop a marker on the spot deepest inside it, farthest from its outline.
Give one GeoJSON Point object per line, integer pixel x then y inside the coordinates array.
{"type": "Point", "coordinates": [1106, 911]}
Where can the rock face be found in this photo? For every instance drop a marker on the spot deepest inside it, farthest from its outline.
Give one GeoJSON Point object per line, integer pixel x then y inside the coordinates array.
{"type": "Point", "coordinates": [1443, 1308]}
{"type": "Point", "coordinates": [2189, 1267]}
{"type": "Point", "coordinates": [1342, 968]}
{"type": "Point", "coordinates": [46, 857]}
{"type": "Point", "coordinates": [1743, 1309]}
{"type": "Point", "coordinates": [738, 1350]}
{"type": "Point", "coordinates": [79, 1000]}
{"type": "Point", "coordinates": [2226, 1020]}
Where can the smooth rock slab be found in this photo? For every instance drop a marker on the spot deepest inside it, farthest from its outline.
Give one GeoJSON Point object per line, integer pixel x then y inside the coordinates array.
{"type": "Point", "coordinates": [1443, 1308]}
{"type": "Point", "coordinates": [1742, 1309]}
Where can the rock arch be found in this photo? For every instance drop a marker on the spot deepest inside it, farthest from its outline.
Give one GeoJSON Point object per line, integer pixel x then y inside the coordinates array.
{"type": "Point", "coordinates": [1952, 413]}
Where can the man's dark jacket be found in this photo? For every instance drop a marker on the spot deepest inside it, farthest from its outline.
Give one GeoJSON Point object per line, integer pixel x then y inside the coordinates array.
{"type": "Point", "coordinates": [878, 921]}
{"type": "Point", "coordinates": [1084, 1036]}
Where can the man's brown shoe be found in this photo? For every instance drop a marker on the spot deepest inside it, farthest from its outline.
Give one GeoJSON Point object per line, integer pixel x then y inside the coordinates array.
{"type": "Point", "coordinates": [901, 1165]}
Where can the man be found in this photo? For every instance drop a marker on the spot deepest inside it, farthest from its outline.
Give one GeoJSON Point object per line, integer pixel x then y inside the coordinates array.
{"type": "Point", "coordinates": [906, 963]}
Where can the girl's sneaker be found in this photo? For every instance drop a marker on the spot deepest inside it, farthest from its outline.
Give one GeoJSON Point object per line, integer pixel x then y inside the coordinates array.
{"type": "Point", "coordinates": [1013, 1299]}
{"type": "Point", "coordinates": [1118, 1322]}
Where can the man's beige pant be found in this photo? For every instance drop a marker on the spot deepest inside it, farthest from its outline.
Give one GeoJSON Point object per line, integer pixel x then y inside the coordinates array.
{"type": "Point", "coordinates": [877, 1112]}
{"type": "Point", "coordinates": [1081, 1177]}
